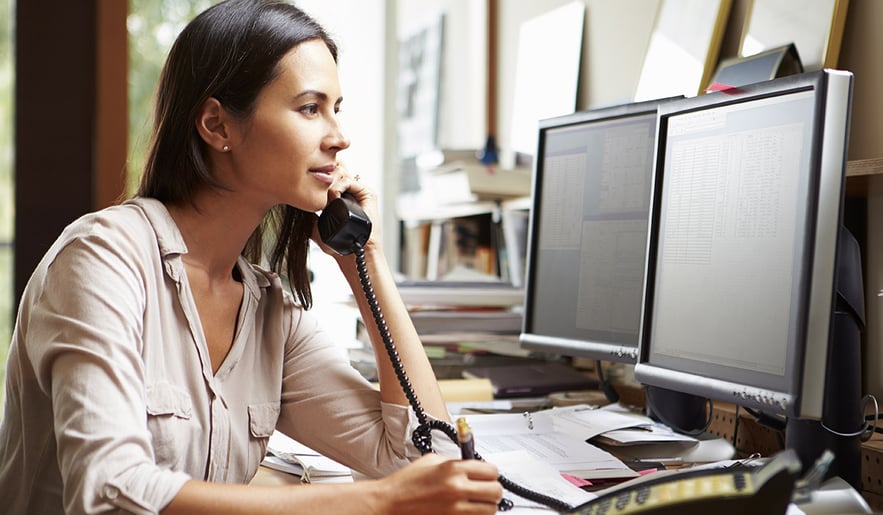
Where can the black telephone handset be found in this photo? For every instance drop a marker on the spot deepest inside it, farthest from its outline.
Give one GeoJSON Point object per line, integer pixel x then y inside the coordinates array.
{"type": "Point", "coordinates": [343, 225]}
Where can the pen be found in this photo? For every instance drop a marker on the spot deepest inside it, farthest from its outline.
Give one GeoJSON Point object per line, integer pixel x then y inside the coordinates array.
{"type": "Point", "coordinates": [464, 437]}
{"type": "Point", "coordinates": [664, 461]}
{"type": "Point", "coordinates": [467, 452]}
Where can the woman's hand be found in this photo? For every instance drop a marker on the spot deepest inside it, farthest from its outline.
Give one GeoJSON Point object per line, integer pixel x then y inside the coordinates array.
{"type": "Point", "coordinates": [345, 182]}
{"type": "Point", "coordinates": [435, 484]}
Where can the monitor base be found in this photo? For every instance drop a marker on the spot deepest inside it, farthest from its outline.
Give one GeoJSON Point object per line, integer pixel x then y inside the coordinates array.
{"type": "Point", "coordinates": [842, 421]}
{"type": "Point", "coordinates": [683, 412]}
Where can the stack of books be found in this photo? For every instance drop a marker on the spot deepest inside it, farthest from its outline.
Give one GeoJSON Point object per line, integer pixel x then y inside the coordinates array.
{"type": "Point", "coordinates": [464, 315]}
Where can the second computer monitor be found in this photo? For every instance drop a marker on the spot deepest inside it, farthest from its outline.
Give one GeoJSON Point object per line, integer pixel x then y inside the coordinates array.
{"type": "Point", "coordinates": [588, 232]}
{"type": "Point", "coordinates": [745, 256]}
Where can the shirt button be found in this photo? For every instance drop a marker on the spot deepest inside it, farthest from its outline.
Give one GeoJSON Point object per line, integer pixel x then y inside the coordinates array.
{"type": "Point", "coordinates": [111, 492]}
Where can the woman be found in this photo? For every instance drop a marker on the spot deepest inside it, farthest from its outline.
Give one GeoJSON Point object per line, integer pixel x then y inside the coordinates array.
{"type": "Point", "coordinates": [153, 357]}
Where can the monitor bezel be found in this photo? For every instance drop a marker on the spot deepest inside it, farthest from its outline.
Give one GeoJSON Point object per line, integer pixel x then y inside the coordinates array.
{"type": "Point", "coordinates": [804, 382]}
{"type": "Point", "coordinates": [529, 339]}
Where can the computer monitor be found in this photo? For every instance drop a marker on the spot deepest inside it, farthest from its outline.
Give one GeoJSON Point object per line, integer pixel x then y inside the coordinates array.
{"type": "Point", "coordinates": [742, 282]}
{"type": "Point", "coordinates": [587, 235]}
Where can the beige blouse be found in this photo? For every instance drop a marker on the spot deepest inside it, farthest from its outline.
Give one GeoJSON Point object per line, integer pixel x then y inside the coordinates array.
{"type": "Point", "coordinates": [111, 400]}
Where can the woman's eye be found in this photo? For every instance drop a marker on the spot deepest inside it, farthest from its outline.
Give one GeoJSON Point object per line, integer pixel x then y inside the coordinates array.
{"type": "Point", "coordinates": [310, 109]}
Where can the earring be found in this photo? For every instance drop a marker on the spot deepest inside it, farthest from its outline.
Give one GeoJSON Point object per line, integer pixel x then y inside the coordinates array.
{"type": "Point", "coordinates": [225, 148]}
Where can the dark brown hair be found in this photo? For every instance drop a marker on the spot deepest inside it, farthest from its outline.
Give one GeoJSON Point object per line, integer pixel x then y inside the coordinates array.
{"type": "Point", "coordinates": [229, 52]}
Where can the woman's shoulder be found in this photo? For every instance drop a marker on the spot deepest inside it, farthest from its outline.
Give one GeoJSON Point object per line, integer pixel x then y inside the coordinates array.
{"type": "Point", "coordinates": [133, 217]}
{"type": "Point", "coordinates": [132, 227]}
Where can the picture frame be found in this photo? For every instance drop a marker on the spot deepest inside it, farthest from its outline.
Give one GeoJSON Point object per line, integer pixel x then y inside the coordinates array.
{"type": "Point", "coordinates": [814, 26]}
{"type": "Point", "coordinates": [684, 47]}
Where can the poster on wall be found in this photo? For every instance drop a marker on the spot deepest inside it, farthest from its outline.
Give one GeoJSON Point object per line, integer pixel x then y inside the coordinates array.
{"type": "Point", "coordinates": [546, 73]}
{"type": "Point", "coordinates": [420, 67]}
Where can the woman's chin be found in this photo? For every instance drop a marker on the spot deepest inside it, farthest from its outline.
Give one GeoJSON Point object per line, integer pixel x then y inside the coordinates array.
{"type": "Point", "coordinates": [312, 205]}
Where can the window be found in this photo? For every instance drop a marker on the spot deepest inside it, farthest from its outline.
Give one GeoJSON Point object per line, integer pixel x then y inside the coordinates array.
{"type": "Point", "coordinates": [7, 192]}
{"type": "Point", "coordinates": [153, 26]}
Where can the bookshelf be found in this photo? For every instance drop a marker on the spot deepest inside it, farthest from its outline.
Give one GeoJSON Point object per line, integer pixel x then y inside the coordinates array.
{"type": "Point", "coordinates": [483, 240]}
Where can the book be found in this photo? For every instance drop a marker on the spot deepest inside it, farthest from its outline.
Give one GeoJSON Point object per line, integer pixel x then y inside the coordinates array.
{"type": "Point", "coordinates": [460, 293]}
{"type": "Point", "coordinates": [530, 380]}
{"type": "Point", "coordinates": [288, 455]}
{"type": "Point", "coordinates": [430, 321]}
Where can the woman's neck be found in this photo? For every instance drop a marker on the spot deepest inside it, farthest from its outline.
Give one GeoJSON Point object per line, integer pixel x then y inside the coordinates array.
{"type": "Point", "coordinates": [215, 230]}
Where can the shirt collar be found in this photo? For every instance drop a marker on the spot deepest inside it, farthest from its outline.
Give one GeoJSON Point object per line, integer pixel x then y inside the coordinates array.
{"type": "Point", "coordinates": [171, 243]}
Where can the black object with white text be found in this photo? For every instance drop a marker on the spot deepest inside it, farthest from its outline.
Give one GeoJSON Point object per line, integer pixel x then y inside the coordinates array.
{"type": "Point", "coordinates": [762, 490]}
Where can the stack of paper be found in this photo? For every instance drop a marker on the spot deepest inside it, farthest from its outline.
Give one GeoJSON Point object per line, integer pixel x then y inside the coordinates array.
{"type": "Point", "coordinates": [288, 455]}
{"type": "Point", "coordinates": [525, 470]}
{"type": "Point", "coordinates": [559, 437]}
{"type": "Point", "coordinates": [540, 435]}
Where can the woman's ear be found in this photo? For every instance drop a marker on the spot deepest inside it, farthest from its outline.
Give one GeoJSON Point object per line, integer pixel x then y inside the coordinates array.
{"type": "Point", "coordinates": [211, 124]}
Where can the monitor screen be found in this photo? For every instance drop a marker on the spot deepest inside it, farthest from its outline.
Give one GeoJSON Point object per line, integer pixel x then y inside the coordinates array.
{"type": "Point", "coordinates": [588, 232]}
{"type": "Point", "coordinates": [741, 269]}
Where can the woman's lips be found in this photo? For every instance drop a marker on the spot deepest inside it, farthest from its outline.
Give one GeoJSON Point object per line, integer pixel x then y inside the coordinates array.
{"type": "Point", "coordinates": [324, 174]}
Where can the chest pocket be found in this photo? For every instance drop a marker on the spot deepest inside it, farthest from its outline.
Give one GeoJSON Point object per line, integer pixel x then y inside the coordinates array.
{"type": "Point", "coordinates": [261, 424]}
{"type": "Point", "coordinates": [169, 410]}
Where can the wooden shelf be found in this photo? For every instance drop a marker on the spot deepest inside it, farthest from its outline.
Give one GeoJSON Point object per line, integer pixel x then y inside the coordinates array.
{"type": "Point", "coordinates": [422, 214]}
{"type": "Point", "coordinates": [860, 173]}
{"type": "Point", "coordinates": [863, 167]}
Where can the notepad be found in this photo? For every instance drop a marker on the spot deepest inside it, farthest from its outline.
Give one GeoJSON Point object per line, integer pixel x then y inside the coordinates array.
{"type": "Point", "coordinates": [532, 379]}
{"type": "Point", "coordinates": [288, 455]}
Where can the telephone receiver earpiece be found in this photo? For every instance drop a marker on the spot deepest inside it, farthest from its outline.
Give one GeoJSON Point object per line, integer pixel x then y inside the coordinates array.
{"type": "Point", "coordinates": [343, 225]}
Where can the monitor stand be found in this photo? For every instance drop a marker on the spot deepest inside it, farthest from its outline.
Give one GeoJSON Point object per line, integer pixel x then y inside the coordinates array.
{"type": "Point", "coordinates": [843, 411]}
{"type": "Point", "coordinates": [683, 412]}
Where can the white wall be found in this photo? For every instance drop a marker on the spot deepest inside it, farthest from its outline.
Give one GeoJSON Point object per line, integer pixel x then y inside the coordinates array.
{"type": "Point", "coordinates": [359, 29]}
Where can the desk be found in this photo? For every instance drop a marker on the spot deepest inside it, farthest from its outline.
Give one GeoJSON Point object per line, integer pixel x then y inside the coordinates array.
{"type": "Point", "coordinates": [266, 476]}
{"type": "Point", "coordinates": [831, 499]}
{"type": "Point", "coordinates": [735, 427]}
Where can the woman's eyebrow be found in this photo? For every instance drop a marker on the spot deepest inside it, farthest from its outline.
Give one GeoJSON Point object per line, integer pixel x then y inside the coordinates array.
{"type": "Point", "coordinates": [316, 93]}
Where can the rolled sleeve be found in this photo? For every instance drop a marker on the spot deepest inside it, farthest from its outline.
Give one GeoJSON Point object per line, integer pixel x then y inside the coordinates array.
{"type": "Point", "coordinates": [401, 420]}
{"type": "Point", "coordinates": [131, 493]}
{"type": "Point", "coordinates": [342, 415]}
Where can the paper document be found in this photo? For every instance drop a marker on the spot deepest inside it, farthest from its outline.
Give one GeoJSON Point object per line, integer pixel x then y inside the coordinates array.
{"type": "Point", "coordinates": [537, 434]}
{"type": "Point", "coordinates": [587, 422]}
{"type": "Point", "coordinates": [289, 455]}
{"type": "Point", "coordinates": [656, 433]}
{"type": "Point", "coordinates": [525, 470]}
{"type": "Point", "coordinates": [644, 430]}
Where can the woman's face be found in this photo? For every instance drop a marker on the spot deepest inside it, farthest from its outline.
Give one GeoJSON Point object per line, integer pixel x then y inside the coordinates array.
{"type": "Point", "coordinates": [286, 151]}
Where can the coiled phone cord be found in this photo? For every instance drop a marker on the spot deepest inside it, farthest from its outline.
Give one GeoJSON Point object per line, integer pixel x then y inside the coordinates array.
{"type": "Point", "coordinates": [422, 435]}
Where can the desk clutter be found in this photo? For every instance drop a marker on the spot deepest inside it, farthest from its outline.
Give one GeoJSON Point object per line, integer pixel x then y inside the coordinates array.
{"type": "Point", "coordinates": [541, 419]}
{"type": "Point", "coordinates": [570, 453]}
{"type": "Point", "coordinates": [526, 380]}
